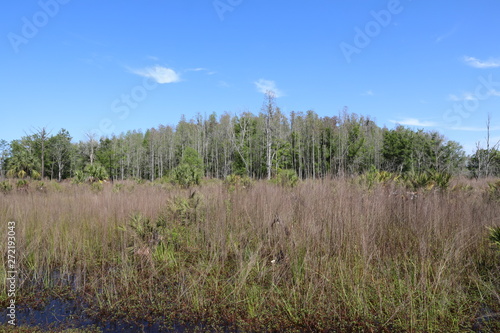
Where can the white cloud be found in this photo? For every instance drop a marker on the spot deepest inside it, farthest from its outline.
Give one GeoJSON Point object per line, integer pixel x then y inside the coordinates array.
{"type": "Point", "coordinates": [264, 86]}
{"type": "Point", "coordinates": [414, 122]}
{"type": "Point", "coordinates": [223, 84]}
{"type": "Point", "coordinates": [197, 69]}
{"type": "Point", "coordinates": [369, 92]}
{"type": "Point", "coordinates": [468, 96]}
{"type": "Point", "coordinates": [201, 69]}
{"type": "Point", "coordinates": [442, 37]}
{"type": "Point", "coordinates": [159, 74]}
{"type": "Point", "coordinates": [474, 62]}
{"type": "Point", "coordinates": [475, 129]}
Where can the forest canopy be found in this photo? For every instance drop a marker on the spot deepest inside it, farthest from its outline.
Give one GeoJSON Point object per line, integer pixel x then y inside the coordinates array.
{"type": "Point", "coordinates": [258, 146]}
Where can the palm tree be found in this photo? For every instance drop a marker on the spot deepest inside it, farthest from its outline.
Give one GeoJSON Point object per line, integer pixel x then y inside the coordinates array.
{"type": "Point", "coordinates": [22, 162]}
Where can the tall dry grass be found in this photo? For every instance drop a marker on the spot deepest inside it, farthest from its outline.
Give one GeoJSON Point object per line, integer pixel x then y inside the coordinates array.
{"type": "Point", "coordinates": [319, 256]}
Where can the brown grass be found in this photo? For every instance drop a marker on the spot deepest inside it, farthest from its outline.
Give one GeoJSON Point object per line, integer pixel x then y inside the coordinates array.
{"type": "Point", "coordinates": [319, 256]}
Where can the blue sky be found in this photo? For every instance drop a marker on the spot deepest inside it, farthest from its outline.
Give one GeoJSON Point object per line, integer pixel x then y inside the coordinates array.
{"type": "Point", "coordinates": [112, 66]}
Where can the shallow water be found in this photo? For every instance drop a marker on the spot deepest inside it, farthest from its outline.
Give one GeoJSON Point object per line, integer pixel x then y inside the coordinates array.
{"type": "Point", "coordinates": [68, 314]}
{"type": "Point", "coordinates": [59, 313]}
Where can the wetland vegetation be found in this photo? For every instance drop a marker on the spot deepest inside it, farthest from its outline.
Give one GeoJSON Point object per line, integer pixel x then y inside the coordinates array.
{"type": "Point", "coordinates": [368, 253]}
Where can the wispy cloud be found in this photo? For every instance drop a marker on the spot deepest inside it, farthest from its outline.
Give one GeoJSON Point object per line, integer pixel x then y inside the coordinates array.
{"type": "Point", "coordinates": [158, 73]}
{"type": "Point", "coordinates": [197, 69]}
{"type": "Point", "coordinates": [264, 86]}
{"type": "Point", "coordinates": [474, 62]}
{"type": "Point", "coordinates": [201, 69]}
{"type": "Point", "coordinates": [414, 122]}
{"type": "Point", "coordinates": [223, 84]}
{"type": "Point", "coordinates": [465, 96]}
{"type": "Point", "coordinates": [475, 129]}
{"type": "Point", "coordinates": [87, 39]}
{"type": "Point", "coordinates": [98, 60]}
{"type": "Point", "coordinates": [369, 92]}
{"type": "Point", "coordinates": [442, 37]}
{"type": "Point", "coordinates": [469, 96]}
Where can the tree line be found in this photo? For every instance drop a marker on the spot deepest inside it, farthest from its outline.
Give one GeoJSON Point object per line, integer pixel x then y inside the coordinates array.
{"type": "Point", "coordinates": [258, 146]}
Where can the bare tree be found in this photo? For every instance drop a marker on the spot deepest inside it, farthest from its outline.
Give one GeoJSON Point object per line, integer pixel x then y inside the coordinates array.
{"type": "Point", "coordinates": [269, 109]}
{"type": "Point", "coordinates": [42, 135]}
{"type": "Point", "coordinates": [92, 143]}
{"type": "Point", "coordinates": [240, 140]}
{"type": "Point", "coordinates": [490, 150]}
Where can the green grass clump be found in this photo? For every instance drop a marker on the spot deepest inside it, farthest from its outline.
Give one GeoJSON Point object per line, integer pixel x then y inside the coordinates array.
{"type": "Point", "coordinates": [493, 191]}
{"type": "Point", "coordinates": [286, 178]}
{"type": "Point", "coordinates": [5, 186]}
{"type": "Point", "coordinates": [495, 236]}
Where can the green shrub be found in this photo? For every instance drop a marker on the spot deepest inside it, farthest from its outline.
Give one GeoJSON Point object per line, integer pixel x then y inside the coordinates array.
{"type": "Point", "coordinates": [40, 186]}
{"type": "Point", "coordinates": [91, 173]}
{"type": "Point", "coordinates": [118, 188]}
{"type": "Point", "coordinates": [286, 178]}
{"type": "Point", "coordinates": [441, 179]}
{"type": "Point", "coordinates": [5, 186]}
{"type": "Point", "coordinates": [35, 175]}
{"type": "Point", "coordinates": [428, 180]}
{"type": "Point", "coordinates": [186, 210]}
{"type": "Point", "coordinates": [493, 191]}
{"type": "Point", "coordinates": [22, 184]}
{"type": "Point", "coordinates": [21, 174]}
{"type": "Point", "coordinates": [187, 175]}
{"type": "Point", "coordinates": [96, 187]}
{"type": "Point", "coordinates": [462, 187]}
{"type": "Point", "coordinates": [79, 177]}
{"type": "Point", "coordinates": [95, 172]}
{"type": "Point", "coordinates": [139, 181]}
{"type": "Point", "coordinates": [190, 169]}
{"type": "Point", "coordinates": [145, 237]}
{"type": "Point", "coordinates": [163, 180]}
{"type": "Point", "coordinates": [375, 176]}
{"type": "Point", "coordinates": [236, 181]}
{"type": "Point", "coordinates": [495, 236]}
{"type": "Point", "coordinates": [56, 186]}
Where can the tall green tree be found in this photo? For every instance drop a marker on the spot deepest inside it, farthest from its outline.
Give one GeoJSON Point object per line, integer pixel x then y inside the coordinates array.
{"type": "Point", "coordinates": [4, 153]}
{"type": "Point", "coordinates": [23, 160]}
{"type": "Point", "coordinates": [40, 137]}
{"type": "Point", "coordinates": [106, 154]}
{"type": "Point", "coordinates": [190, 169]}
{"type": "Point", "coordinates": [397, 149]}
{"type": "Point", "coordinates": [60, 149]}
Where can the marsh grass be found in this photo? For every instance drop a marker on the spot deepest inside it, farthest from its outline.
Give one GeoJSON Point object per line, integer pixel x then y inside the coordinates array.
{"type": "Point", "coordinates": [321, 255]}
